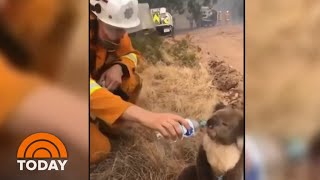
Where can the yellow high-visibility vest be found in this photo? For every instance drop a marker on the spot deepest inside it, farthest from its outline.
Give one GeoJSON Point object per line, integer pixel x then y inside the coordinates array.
{"type": "Point", "coordinates": [94, 86]}
{"type": "Point", "coordinates": [133, 57]}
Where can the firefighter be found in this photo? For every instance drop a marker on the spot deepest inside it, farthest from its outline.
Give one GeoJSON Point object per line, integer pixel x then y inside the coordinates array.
{"type": "Point", "coordinates": [114, 84]}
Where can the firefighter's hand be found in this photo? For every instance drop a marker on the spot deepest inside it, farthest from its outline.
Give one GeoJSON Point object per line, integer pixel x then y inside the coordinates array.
{"type": "Point", "coordinates": [167, 124]}
{"type": "Point", "coordinates": [112, 78]}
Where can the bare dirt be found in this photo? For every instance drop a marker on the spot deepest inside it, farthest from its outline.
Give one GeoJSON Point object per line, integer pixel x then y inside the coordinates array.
{"type": "Point", "coordinates": [221, 43]}
{"type": "Point", "coordinates": [228, 81]}
{"type": "Point", "coordinates": [222, 52]}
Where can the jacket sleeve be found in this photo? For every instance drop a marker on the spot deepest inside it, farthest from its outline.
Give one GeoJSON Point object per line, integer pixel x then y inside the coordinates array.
{"type": "Point", "coordinates": [104, 104]}
{"type": "Point", "coordinates": [129, 57]}
{"type": "Point", "coordinates": [14, 87]}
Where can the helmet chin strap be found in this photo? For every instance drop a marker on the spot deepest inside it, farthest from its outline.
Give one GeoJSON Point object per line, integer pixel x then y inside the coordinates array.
{"type": "Point", "coordinates": [109, 45]}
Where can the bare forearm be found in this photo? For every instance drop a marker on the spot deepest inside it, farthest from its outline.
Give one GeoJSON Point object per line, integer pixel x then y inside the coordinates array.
{"type": "Point", "coordinates": [49, 109]}
{"type": "Point", "coordinates": [135, 114]}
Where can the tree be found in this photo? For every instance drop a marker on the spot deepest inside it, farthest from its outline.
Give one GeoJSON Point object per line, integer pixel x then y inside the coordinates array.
{"type": "Point", "coordinates": [178, 6]}
{"type": "Point", "coordinates": [209, 2]}
{"type": "Point", "coordinates": [206, 2]}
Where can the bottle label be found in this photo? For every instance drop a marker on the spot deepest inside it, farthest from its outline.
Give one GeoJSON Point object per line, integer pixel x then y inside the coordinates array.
{"type": "Point", "coordinates": [189, 132]}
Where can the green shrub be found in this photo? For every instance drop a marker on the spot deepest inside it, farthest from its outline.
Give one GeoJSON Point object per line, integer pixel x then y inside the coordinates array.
{"type": "Point", "coordinates": [170, 52]}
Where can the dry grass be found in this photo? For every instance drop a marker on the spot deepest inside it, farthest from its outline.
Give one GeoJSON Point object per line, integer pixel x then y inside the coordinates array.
{"type": "Point", "coordinates": [182, 90]}
{"type": "Point", "coordinates": [137, 153]}
{"type": "Point", "coordinates": [141, 156]}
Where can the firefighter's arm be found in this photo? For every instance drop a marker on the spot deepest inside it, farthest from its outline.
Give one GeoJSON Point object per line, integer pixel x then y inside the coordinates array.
{"type": "Point", "coordinates": [29, 104]}
{"type": "Point", "coordinates": [49, 108]}
{"type": "Point", "coordinates": [109, 107]}
{"type": "Point", "coordinates": [15, 85]}
{"type": "Point", "coordinates": [129, 57]}
{"type": "Point", "coordinates": [105, 105]}
{"type": "Point", "coordinates": [130, 61]}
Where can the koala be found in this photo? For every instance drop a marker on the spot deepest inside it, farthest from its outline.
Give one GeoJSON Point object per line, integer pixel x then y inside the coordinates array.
{"type": "Point", "coordinates": [221, 154]}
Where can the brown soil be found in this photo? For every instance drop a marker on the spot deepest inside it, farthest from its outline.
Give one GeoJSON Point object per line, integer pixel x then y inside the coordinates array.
{"type": "Point", "coordinates": [222, 52]}
{"type": "Point", "coordinates": [229, 81]}
{"type": "Point", "coordinates": [221, 42]}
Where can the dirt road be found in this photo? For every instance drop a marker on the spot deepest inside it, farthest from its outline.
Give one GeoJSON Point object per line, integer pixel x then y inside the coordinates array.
{"type": "Point", "coordinates": [221, 42]}
{"type": "Point", "coordinates": [222, 50]}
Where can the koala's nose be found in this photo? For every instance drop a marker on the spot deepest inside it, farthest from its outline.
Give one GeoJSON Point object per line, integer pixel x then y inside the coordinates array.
{"type": "Point", "coordinates": [213, 123]}
{"type": "Point", "coordinates": [216, 122]}
{"type": "Point", "coordinates": [210, 126]}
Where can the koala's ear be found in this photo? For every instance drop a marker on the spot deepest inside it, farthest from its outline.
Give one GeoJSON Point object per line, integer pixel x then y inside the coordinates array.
{"type": "Point", "coordinates": [218, 106]}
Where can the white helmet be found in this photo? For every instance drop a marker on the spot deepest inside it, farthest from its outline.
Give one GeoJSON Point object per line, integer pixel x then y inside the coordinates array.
{"type": "Point", "coordinates": [117, 13]}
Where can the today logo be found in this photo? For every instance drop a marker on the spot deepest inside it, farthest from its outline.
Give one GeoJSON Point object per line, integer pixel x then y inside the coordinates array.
{"type": "Point", "coordinates": [42, 151]}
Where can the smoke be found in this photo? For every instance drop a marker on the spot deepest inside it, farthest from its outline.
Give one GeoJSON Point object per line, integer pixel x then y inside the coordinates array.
{"type": "Point", "coordinates": [236, 7]}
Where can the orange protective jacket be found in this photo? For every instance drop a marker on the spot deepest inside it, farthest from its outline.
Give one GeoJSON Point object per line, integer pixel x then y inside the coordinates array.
{"type": "Point", "coordinates": [15, 85]}
{"type": "Point", "coordinates": [30, 28]}
{"type": "Point", "coordinates": [103, 103]}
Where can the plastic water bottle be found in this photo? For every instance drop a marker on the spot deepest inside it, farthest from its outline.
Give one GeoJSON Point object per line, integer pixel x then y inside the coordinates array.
{"type": "Point", "coordinates": [194, 127]}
